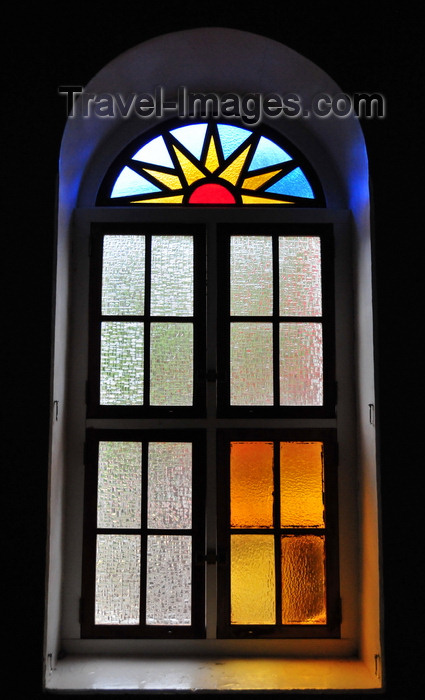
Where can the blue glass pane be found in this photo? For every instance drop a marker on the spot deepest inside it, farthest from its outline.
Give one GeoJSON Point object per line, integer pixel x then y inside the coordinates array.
{"type": "Point", "coordinates": [268, 153]}
{"type": "Point", "coordinates": [192, 137]}
{"type": "Point", "coordinates": [128, 182]}
{"type": "Point", "coordinates": [295, 184]}
{"type": "Point", "coordinates": [155, 152]}
{"type": "Point", "coordinates": [231, 137]}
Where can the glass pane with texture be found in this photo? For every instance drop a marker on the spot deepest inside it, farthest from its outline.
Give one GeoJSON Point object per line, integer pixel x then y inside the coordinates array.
{"type": "Point", "coordinates": [117, 597]}
{"type": "Point", "coordinates": [169, 580]}
{"type": "Point", "coordinates": [170, 485]}
{"type": "Point", "coordinates": [251, 364]}
{"type": "Point", "coordinates": [123, 275]}
{"type": "Point", "coordinates": [172, 276]}
{"type": "Point", "coordinates": [300, 284]}
{"type": "Point", "coordinates": [301, 484]}
{"type": "Point", "coordinates": [252, 576]}
{"type": "Point", "coordinates": [303, 580]}
{"type": "Point", "coordinates": [171, 364]}
{"type": "Point", "coordinates": [121, 371]}
{"type": "Point", "coordinates": [251, 484]}
{"type": "Point", "coordinates": [119, 484]}
{"type": "Point", "coordinates": [301, 364]}
{"type": "Point", "coordinates": [251, 276]}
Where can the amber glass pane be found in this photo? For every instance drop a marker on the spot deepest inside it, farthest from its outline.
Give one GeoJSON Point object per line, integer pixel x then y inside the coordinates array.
{"type": "Point", "coordinates": [251, 484]}
{"type": "Point", "coordinates": [252, 585]}
{"type": "Point", "coordinates": [301, 484]}
{"type": "Point", "coordinates": [303, 580]}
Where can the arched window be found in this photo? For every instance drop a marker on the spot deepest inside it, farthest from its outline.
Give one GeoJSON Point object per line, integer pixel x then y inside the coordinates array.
{"type": "Point", "coordinates": [210, 163]}
{"type": "Point", "coordinates": [208, 445]}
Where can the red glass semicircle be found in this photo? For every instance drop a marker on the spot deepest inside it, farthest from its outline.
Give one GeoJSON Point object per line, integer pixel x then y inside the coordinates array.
{"type": "Point", "coordinates": [211, 193]}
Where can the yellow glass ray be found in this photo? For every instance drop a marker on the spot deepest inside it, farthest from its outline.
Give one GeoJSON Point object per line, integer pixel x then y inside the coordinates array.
{"type": "Point", "coordinates": [211, 161]}
{"type": "Point", "coordinates": [171, 181]}
{"type": "Point", "coordinates": [175, 199]}
{"type": "Point", "coordinates": [250, 199]}
{"type": "Point", "coordinates": [232, 172]}
{"type": "Point", "coordinates": [190, 171]}
{"type": "Point", "coordinates": [252, 183]}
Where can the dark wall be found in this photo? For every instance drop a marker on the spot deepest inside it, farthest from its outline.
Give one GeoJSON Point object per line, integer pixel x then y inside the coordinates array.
{"type": "Point", "coordinates": [48, 46]}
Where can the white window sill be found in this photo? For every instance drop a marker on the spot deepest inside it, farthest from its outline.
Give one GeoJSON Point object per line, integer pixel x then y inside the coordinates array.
{"type": "Point", "coordinates": [146, 675]}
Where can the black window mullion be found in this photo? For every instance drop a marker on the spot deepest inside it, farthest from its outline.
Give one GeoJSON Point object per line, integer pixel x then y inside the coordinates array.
{"type": "Point", "coordinates": [143, 532]}
{"type": "Point", "coordinates": [277, 532]}
{"type": "Point", "coordinates": [147, 329]}
{"type": "Point", "coordinates": [276, 343]}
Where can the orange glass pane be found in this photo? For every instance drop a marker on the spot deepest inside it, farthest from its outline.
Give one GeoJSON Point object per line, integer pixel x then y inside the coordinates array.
{"type": "Point", "coordinates": [253, 591]}
{"type": "Point", "coordinates": [251, 484]}
{"type": "Point", "coordinates": [301, 484]}
{"type": "Point", "coordinates": [303, 580]}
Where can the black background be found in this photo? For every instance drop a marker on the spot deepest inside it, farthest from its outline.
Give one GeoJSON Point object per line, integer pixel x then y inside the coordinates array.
{"type": "Point", "coordinates": [374, 47]}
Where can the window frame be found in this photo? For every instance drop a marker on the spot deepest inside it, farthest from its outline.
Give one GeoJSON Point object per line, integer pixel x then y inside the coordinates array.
{"type": "Point", "coordinates": [91, 630]}
{"type": "Point", "coordinates": [179, 418]}
{"type": "Point", "coordinates": [94, 408]}
{"type": "Point", "coordinates": [328, 408]}
{"type": "Point", "coordinates": [327, 436]}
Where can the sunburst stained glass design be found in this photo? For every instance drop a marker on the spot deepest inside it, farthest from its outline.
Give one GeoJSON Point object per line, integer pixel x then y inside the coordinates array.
{"type": "Point", "coordinates": [210, 164]}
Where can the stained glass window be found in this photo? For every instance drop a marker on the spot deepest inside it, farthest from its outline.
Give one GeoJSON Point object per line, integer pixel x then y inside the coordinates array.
{"type": "Point", "coordinates": [211, 164]}
{"type": "Point", "coordinates": [280, 574]}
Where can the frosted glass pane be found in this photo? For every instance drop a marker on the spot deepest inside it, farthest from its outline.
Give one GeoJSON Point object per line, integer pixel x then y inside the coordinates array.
{"type": "Point", "coordinates": [303, 580]}
{"type": "Point", "coordinates": [171, 364]}
{"type": "Point", "coordinates": [252, 585]}
{"type": "Point", "coordinates": [169, 580]}
{"type": "Point", "coordinates": [123, 275]}
{"type": "Point", "coordinates": [251, 276]}
{"type": "Point", "coordinates": [300, 286]}
{"type": "Point", "coordinates": [170, 485]}
{"type": "Point", "coordinates": [251, 484]}
{"type": "Point", "coordinates": [121, 371]}
{"type": "Point", "coordinates": [251, 364]}
{"type": "Point", "coordinates": [172, 276]}
{"type": "Point", "coordinates": [301, 364]}
{"type": "Point", "coordinates": [301, 484]}
{"type": "Point", "coordinates": [117, 580]}
{"type": "Point", "coordinates": [119, 484]}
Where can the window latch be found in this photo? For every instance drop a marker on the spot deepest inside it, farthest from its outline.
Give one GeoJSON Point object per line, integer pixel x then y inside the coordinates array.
{"type": "Point", "coordinates": [211, 557]}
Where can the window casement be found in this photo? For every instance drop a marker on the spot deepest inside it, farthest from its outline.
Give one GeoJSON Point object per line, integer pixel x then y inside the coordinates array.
{"type": "Point", "coordinates": [200, 332]}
